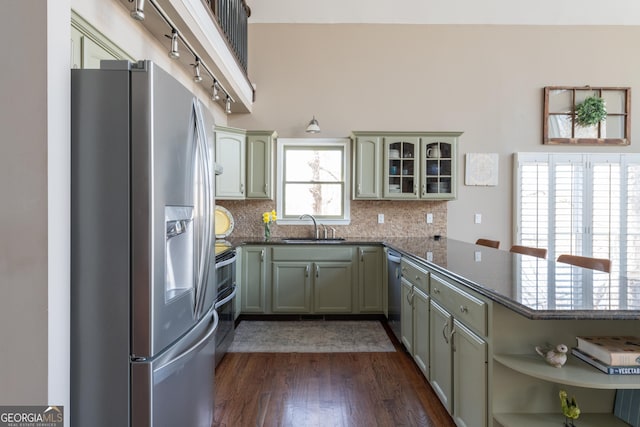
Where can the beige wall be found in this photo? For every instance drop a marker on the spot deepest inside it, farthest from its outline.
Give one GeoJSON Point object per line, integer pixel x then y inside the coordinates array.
{"type": "Point", "coordinates": [23, 211]}
{"type": "Point", "coordinates": [483, 80]}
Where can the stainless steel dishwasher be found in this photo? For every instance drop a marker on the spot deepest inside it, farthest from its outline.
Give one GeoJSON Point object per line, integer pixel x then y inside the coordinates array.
{"type": "Point", "coordinates": [395, 292]}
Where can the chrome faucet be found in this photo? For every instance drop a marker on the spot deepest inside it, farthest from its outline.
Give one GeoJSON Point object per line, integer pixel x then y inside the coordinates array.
{"type": "Point", "coordinates": [315, 224]}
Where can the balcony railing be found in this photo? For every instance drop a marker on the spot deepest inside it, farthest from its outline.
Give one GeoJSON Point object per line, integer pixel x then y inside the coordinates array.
{"type": "Point", "coordinates": [232, 18]}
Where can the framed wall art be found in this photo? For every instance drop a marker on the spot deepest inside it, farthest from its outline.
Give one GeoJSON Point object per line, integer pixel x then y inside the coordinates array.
{"type": "Point", "coordinates": [587, 115]}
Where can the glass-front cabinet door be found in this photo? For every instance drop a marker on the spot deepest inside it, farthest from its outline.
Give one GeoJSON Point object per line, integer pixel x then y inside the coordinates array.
{"type": "Point", "coordinates": [438, 167]}
{"type": "Point", "coordinates": [401, 167]}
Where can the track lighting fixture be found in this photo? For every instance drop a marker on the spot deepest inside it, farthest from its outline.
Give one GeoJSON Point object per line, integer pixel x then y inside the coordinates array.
{"type": "Point", "coordinates": [227, 108]}
{"type": "Point", "coordinates": [313, 126]}
{"type": "Point", "coordinates": [199, 67]}
{"type": "Point", "coordinates": [215, 91]}
{"type": "Point", "coordinates": [173, 53]}
{"type": "Point", "coordinates": [138, 10]}
{"type": "Point", "coordinates": [196, 71]}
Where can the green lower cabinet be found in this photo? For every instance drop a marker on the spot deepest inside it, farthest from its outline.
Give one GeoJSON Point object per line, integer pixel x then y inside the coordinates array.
{"type": "Point", "coordinates": [254, 279]}
{"type": "Point", "coordinates": [332, 287]}
{"type": "Point", "coordinates": [291, 287]}
{"type": "Point", "coordinates": [469, 378]}
{"type": "Point", "coordinates": [295, 282]}
{"type": "Point", "coordinates": [421, 330]}
{"type": "Point", "coordinates": [370, 279]}
{"type": "Point", "coordinates": [406, 315]}
{"type": "Point", "coordinates": [440, 354]}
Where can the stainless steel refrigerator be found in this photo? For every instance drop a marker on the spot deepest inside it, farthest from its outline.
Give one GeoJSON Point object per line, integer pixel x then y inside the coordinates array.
{"type": "Point", "coordinates": [143, 285]}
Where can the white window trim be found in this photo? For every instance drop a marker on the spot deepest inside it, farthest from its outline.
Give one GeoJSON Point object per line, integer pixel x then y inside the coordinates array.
{"type": "Point", "coordinates": [345, 143]}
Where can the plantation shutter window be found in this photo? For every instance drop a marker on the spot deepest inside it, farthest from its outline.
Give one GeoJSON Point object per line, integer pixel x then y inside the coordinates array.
{"type": "Point", "coordinates": [581, 204]}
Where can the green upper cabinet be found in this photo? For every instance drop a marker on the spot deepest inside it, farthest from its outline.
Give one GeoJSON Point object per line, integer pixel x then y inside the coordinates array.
{"type": "Point", "coordinates": [260, 164]}
{"type": "Point", "coordinates": [231, 155]}
{"type": "Point", "coordinates": [438, 166]}
{"type": "Point", "coordinates": [401, 169]}
{"type": "Point", "coordinates": [367, 164]}
{"type": "Point", "coordinates": [405, 165]}
{"type": "Point", "coordinates": [246, 158]}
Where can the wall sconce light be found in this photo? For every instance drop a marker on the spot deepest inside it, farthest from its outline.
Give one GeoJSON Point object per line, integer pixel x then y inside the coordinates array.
{"type": "Point", "coordinates": [227, 108]}
{"type": "Point", "coordinates": [313, 127]}
{"type": "Point", "coordinates": [196, 71]}
{"type": "Point", "coordinates": [173, 53]}
{"type": "Point", "coordinates": [138, 10]}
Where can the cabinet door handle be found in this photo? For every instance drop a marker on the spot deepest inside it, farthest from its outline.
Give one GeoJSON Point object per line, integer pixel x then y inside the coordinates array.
{"type": "Point", "coordinates": [417, 278]}
{"type": "Point", "coordinates": [306, 271]}
{"type": "Point", "coordinates": [317, 270]}
{"type": "Point", "coordinates": [361, 255]}
{"type": "Point", "coordinates": [444, 333]}
{"type": "Point", "coordinates": [262, 255]}
{"type": "Point", "coordinates": [436, 291]}
{"type": "Point", "coordinates": [359, 189]}
{"type": "Point", "coordinates": [424, 190]}
{"type": "Point", "coordinates": [453, 331]}
{"type": "Point", "coordinates": [410, 297]}
{"type": "Point", "coordinates": [464, 309]}
{"type": "Point", "coordinates": [241, 188]}
{"type": "Point", "coordinates": [266, 188]}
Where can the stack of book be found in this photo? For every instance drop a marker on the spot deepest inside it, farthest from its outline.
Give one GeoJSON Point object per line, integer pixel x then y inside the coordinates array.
{"type": "Point", "coordinates": [615, 355]}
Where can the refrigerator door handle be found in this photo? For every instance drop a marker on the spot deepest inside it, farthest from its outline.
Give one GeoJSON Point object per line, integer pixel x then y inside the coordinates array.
{"type": "Point", "coordinates": [205, 248]}
{"type": "Point", "coordinates": [194, 347]}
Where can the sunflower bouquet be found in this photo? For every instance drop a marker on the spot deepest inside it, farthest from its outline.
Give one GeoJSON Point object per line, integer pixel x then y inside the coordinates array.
{"type": "Point", "coordinates": [267, 219]}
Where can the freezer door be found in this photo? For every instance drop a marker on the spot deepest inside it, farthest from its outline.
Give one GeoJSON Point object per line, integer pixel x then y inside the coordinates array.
{"type": "Point", "coordinates": [177, 388]}
{"type": "Point", "coordinates": [172, 209]}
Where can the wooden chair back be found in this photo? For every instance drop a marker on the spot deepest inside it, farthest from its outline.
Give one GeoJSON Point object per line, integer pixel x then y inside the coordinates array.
{"type": "Point", "coordinates": [600, 264]}
{"type": "Point", "coordinates": [528, 250]}
{"type": "Point", "coordinates": [490, 243]}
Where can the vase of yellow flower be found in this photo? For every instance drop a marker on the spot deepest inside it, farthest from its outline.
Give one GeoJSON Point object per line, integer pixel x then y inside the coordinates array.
{"type": "Point", "coordinates": [268, 218]}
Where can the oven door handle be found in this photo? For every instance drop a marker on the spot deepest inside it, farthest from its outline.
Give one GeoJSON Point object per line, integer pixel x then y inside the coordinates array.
{"type": "Point", "coordinates": [226, 262]}
{"type": "Point", "coordinates": [227, 299]}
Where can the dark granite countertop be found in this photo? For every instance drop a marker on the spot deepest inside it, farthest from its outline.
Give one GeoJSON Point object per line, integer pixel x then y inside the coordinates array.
{"type": "Point", "coordinates": [535, 288]}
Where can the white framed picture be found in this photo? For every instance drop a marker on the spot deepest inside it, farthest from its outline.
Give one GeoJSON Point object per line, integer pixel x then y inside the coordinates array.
{"type": "Point", "coordinates": [481, 169]}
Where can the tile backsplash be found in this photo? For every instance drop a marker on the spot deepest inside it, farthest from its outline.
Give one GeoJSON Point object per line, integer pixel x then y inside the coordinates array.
{"type": "Point", "coordinates": [401, 219]}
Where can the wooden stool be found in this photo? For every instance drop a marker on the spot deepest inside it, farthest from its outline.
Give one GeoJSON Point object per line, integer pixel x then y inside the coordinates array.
{"type": "Point", "coordinates": [601, 264]}
{"type": "Point", "coordinates": [528, 250]}
{"type": "Point", "coordinates": [490, 243]}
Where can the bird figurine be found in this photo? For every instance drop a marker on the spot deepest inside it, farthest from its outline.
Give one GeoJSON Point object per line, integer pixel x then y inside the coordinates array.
{"type": "Point", "coordinates": [554, 356]}
{"type": "Point", "coordinates": [570, 409]}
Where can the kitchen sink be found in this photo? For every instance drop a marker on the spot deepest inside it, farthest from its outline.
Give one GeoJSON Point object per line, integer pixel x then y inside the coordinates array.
{"type": "Point", "coordinates": [312, 240]}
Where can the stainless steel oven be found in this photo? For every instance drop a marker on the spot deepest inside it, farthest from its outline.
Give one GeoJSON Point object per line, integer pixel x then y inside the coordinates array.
{"type": "Point", "coordinates": [225, 303]}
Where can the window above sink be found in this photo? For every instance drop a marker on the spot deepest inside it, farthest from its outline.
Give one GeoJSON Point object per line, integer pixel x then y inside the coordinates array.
{"type": "Point", "coordinates": [313, 177]}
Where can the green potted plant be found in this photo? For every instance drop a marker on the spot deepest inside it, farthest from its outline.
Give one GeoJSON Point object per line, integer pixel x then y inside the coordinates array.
{"type": "Point", "coordinates": [591, 111]}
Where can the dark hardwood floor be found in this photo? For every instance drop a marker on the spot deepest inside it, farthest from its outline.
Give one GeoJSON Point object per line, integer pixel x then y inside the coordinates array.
{"type": "Point", "coordinates": [324, 389]}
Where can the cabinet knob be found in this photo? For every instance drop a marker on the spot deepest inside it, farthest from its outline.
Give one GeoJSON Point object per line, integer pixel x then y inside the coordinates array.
{"type": "Point", "coordinates": [464, 309]}
{"type": "Point", "coordinates": [418, 278]}
{"type": "Point", "coordinates": [436, 291]}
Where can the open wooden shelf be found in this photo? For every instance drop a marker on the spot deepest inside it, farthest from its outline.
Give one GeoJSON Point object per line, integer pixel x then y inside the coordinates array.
{"type": "Point", "coordinates": [574, 372]}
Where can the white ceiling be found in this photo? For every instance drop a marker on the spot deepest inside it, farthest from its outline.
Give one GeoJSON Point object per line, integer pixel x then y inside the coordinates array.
{"type": "Point", "coordinates": [498, 12]}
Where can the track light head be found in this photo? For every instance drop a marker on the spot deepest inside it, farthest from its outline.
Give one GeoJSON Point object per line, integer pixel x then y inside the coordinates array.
{"type": "Point", "coordinates": [196, 71]}
{"type": "Point", "coordinates": [138, 10]}
{"type": "Point", "coordinates": [227, 108]}
{"type": "Point", "coordinates": [215, 91]}
{"type": "Point", "coordinates": [174, 53]}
